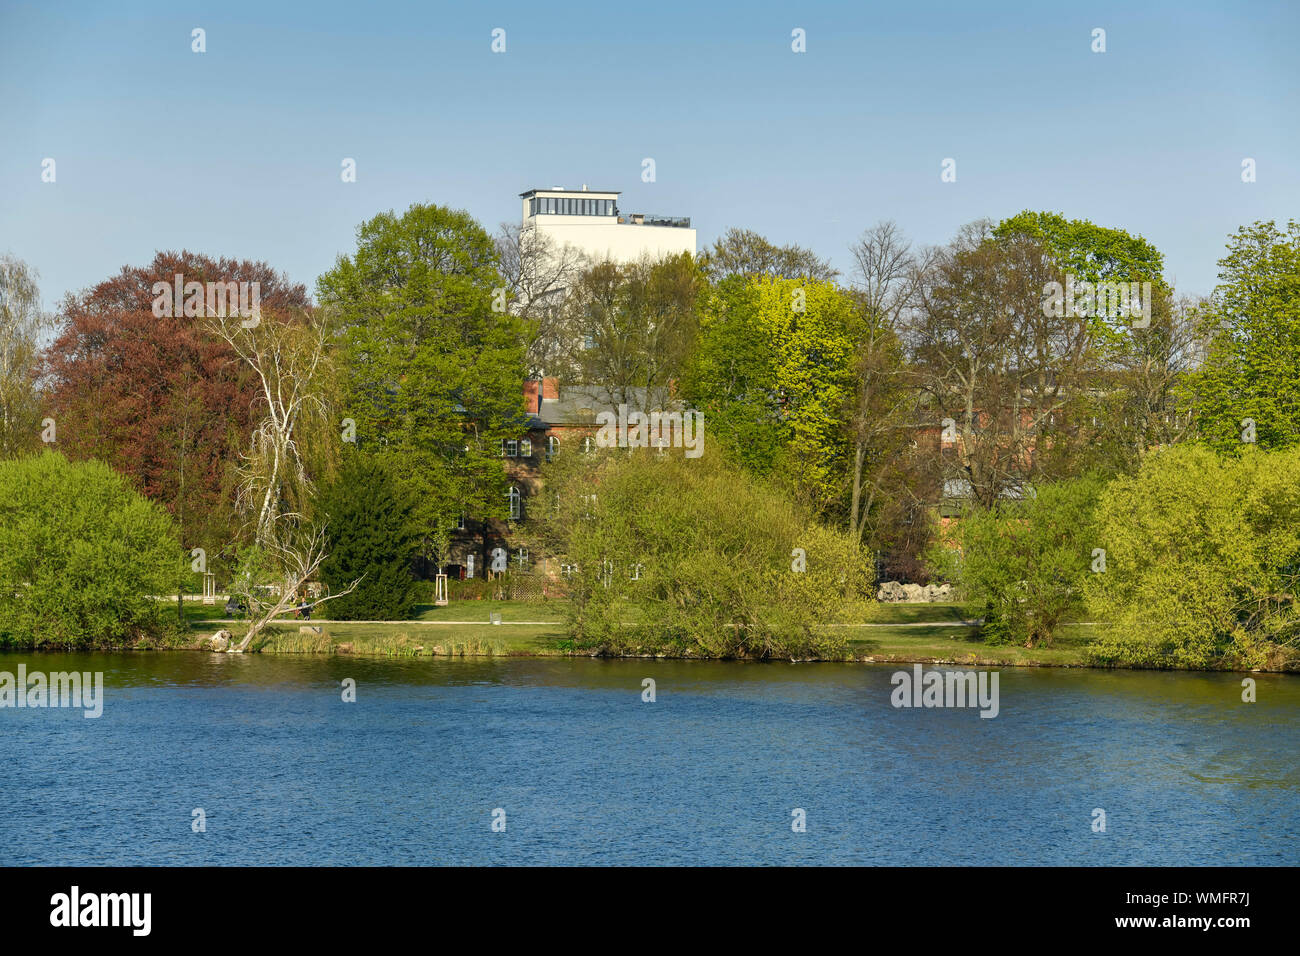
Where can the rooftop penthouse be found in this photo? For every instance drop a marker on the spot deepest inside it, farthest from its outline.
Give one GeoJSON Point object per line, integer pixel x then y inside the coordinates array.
{"type": "Point", "coordinates": [590, 219]}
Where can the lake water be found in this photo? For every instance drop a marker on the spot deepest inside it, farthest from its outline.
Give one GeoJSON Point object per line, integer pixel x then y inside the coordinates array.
{"type": "Point", "coordinates": [586, 772]}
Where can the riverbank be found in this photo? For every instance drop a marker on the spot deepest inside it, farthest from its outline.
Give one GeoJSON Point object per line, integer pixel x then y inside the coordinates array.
{"type": "Point", "coordinates": [938, 633]}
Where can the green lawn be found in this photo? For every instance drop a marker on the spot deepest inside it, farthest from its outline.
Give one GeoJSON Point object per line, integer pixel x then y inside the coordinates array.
{"type": "Point", "coordinates": [960, 645]}
{"type": "Point", "coordinates": [892, 632]}
{"type": "Point", "coordinates": [462, 628]}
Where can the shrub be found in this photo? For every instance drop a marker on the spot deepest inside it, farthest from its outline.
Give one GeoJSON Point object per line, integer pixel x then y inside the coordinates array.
{"type": "Point", "coordinates": [81, 555]}
{"type": "Point", "coordinates": [694, 556]}
{"type": "Point", "coordinates": [1026, 561]}
{"type": "Point", "coordinates": [1203, 560]}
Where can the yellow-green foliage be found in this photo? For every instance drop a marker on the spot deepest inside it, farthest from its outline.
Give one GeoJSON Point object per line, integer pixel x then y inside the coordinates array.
{"type": "Point", "coordinates": [1202, 556]}
{"type": "Point", "coordinates": [712, 549]}
{"type": "Point", "coordinates": [80, 554]}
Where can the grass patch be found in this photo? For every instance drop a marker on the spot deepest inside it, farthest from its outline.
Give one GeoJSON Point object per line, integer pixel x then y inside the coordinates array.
{"type": "Point", "coordinates": [963, 645]}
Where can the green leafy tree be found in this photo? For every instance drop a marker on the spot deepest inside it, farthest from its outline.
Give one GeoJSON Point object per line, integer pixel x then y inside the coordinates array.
{"type": "Point", "coordinates": [1202, 560]}
{"type": "Point", "coordinates": [432, 369]}
{"type": "Point", "coordinates": [730, 377]}
{"type": "Point", "coordinates": [81, 555]}
{"type": "Point", "coordinates": [1026, 561]}
{"type": "Point", "coordinates": [776, 366]}
{"type": "Point", "coordinates": [695, 557]}
{"type": "Point", "coordinates": [371, 538]}
{"type": "Point", "coordinates": [1252, 370]}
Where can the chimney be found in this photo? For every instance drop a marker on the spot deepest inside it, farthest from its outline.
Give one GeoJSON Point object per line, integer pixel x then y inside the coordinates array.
{"type": "Point", "coordinates": [532, 396]}
{"type": "Point", "coordinates": [550, 388]}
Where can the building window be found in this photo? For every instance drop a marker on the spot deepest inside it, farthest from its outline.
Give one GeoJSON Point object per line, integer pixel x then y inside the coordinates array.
{"type": "Point", "coordinates": [588, 444]}
{"type": "Point", "coordinates": [509, 448]}
{"type": "Point", "coordinates": [460, 522]}
{"type": "Point", "coordinates": [526, 448]}
{"type": "Point", "coordinates": [552, 447]}
{"type": "Point", "coordinates": [521, 559]}
{"type": "Point", "coordinates": [516, 503]}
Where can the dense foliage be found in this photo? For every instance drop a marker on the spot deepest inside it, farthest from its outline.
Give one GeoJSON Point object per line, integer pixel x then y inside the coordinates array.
{"type": "Point", "coordinates": [1025, 562]}
{"type": "Point", "coordinates": [1203, 560]}
{"type": "Point", "coordinates": [674, 555]}
{"type": "Point", "coordinates": [81, 555]}
{"type": "Point", "coordinates": [372, 538]}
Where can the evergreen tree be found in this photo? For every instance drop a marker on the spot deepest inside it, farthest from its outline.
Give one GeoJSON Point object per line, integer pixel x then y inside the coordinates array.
{"type": "Point", "coordinates": [372, 537]}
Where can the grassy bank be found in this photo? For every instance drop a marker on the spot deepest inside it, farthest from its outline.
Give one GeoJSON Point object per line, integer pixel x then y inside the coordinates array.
{"type": "Point", "coordinates": [896, 633]}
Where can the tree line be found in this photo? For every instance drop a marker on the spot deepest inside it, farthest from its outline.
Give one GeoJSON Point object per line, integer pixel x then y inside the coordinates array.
{"type": "Point", "coordinates": [343, 435]}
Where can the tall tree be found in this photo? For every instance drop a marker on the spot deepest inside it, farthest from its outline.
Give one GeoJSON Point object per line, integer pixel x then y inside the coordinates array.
{"type": "Point", "coordinates": [888, 477]}
{"type": "Point", "coordinates": [162, 399]}
{"type": "Point", "coordinates": [432, 372]}
{"type": "Point", "coordinates": [277, 491]}
{"type": "Point", "coordinates": [774, 367]}
{"type": "Point", "coordinates": [1003, 373]}
{"type": "Point", "coordinates": [538, 272]}
{"type": "Point", "coordinates": [632, 327]}
{"type": "Point", "coordinates": [1252, 370]}
{"type": "Point", "coordinates": [21, 324]}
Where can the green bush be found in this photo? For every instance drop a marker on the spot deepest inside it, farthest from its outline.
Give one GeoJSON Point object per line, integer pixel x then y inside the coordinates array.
{"type": "Point", "coordinates": [1026, 561]}
{"type": "Point", "coordinates": [693, 556]}
{"type": "Point", "coordinates": [81, 555]}
{"type": "Point", "coordinates": [1203, 560]}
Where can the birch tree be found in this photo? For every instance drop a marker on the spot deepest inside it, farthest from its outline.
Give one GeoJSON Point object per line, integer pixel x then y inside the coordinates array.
{"type": "Point", "coordinates": [21, 324]}
{"type": "Point", "coordinates": [289, 357]}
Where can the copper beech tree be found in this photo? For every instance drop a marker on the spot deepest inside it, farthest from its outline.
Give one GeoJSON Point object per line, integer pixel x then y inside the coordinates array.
{"type": "Point", "coordinates": [161, 399]}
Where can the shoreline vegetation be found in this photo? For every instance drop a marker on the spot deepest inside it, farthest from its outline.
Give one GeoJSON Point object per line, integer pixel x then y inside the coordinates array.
{"type": "Point", "coordinates": [358, 453]}
{"type": "Point", "coordinates": [930, 633]}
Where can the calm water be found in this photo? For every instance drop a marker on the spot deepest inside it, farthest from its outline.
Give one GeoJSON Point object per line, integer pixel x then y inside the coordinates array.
{"type": "Point", "coordinates": [589, 774]}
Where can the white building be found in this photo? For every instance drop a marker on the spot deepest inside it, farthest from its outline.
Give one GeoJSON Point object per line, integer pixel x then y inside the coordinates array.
{"type": "Point", "coordinates": [591, 221]}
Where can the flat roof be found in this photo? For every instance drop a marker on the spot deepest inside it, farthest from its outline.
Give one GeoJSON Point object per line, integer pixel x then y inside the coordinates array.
{"type": "Point", "coordinates": [608, 192]}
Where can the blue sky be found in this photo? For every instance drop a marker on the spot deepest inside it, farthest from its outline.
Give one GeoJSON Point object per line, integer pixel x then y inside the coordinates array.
{"type": "Point", "coordinates": [237, 151]}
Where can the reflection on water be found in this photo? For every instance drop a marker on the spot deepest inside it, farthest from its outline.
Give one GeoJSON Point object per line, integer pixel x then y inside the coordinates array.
{"type": "Point", "coordinates": [286, 772]}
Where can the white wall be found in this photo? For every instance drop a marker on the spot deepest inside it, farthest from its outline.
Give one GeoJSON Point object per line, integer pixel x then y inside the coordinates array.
{"type": "Point", "coordinates": [603, 237]}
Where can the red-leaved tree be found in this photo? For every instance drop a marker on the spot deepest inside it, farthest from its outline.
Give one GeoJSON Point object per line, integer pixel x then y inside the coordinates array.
{"type": "Point", "coordinates": [160, 399]}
